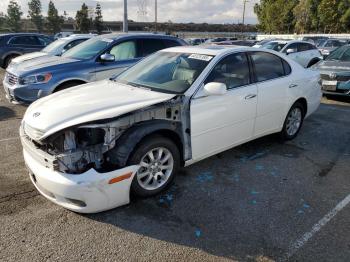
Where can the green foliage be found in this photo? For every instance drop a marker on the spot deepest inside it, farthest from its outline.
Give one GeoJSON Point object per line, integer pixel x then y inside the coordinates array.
{"type": "Point", "coordinates": [303, 16]}
{"type": "Point", "coordinates": [35, 14]}
{"type": "Point", "coordinates": [82, 19]}
{"type": "Point", "coordinates": [54, 21]}
{"type": "Point", "coordinates": [98, 22]}
{"type": "Point", "coordinates": [13, 17]}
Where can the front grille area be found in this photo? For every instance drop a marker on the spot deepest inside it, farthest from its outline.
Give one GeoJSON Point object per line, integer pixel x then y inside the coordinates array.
{"type": "Point", "coordinates": [11, 79]}
{"type": "Point", "coordinates": [340, 78]}
{"type": "Point", "coordinates": [33, 133]}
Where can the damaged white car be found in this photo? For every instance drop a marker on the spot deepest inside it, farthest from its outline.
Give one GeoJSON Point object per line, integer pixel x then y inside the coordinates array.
{"type": "Point", "coordinates": [89, 146]}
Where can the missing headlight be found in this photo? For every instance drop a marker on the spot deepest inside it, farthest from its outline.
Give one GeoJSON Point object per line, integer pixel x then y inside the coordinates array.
{"type": "Point", "coordinates": [90, 136]}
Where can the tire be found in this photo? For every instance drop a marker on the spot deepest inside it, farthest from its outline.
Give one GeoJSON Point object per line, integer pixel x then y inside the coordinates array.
{"type": "Point", "coordinates": [8, 60]}
{"type": "Point", "coordinates": [66, 86]}
{"type": "Point", "coordinates": [150, 179]}
{"type": "Point", "coordinates": [293, 122]}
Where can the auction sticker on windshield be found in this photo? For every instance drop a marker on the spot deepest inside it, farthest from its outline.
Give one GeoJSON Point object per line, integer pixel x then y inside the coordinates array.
{"type": "Point", "coordinates": [201, 57]}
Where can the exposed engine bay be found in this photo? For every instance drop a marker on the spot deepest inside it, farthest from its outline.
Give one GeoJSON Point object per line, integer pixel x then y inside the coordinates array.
{"type": "Point", "coordinates": [96, 145]}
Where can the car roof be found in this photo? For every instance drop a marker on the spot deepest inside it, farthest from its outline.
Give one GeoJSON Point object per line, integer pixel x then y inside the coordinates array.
{"type": "Point", "coordinates": [212, 50]}
{"type": "Point", "coordinates": [115, 36]}
{"type": "Point", "coordinates": [78, 36]}
{"type": "Point", "coordinates": [21, 34]}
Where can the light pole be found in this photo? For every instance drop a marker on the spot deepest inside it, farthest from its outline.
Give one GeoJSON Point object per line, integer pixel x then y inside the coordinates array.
{"type": "Point", "coordinates": [125, 20]}
{"type": "Point", "coordinates": [155, 14]}
{"type": "Point", "coordinates": [244, 4]}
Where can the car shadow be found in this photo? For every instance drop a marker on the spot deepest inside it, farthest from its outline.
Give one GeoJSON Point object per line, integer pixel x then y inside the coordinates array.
{"type": "Point", "coordinates": [6, 113]}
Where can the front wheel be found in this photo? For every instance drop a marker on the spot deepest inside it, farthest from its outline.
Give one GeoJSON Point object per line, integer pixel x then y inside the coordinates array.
{"type": "Point", "coordinates": [159, 160]}
{"type": "Point", "coordinates": [293, 122]}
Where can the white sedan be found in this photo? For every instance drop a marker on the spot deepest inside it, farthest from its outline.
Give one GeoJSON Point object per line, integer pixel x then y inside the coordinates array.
{"type": "Point", "coordinates": [89, 146]}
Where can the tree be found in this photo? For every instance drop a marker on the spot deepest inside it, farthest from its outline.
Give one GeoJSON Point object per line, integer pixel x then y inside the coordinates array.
{"type": "Point", "coordinates": [98, 22]}
{"type": "Point", "coordinates": [54, 21]}
{"type": "Point", "coordinates": [35, 14]}
{"type": "Point", "coordinates": [330, 14]}
{"type": "Point", "coordinates": [82, 19]}
{"type": "Point", "coordinates": [13, 18]}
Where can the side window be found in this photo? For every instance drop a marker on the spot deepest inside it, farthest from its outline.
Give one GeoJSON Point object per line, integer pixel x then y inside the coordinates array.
{"type": "Point", "coordinates": [267, 66]}
{"type": "Point", "coordinates": [286, 67]}
{"type": "Point", "coordinates": [232, 70]}
{"type": "Point", "coordinates": [24, 40]}
{"type": "Point", "coordinates": [152, 45]}
{"type": "Point", "coordinates": [125, 50]}
{"type": "Point", "coordinates": [293, 46]}
{"type": "Point", "coordinates": [73, 43]}
{"type": "Point", "coordinates": [44, 41]}
{"type": "Point", "coordinates": [171, 43]}
{"type": "Point", "coordinates": [303, 47]}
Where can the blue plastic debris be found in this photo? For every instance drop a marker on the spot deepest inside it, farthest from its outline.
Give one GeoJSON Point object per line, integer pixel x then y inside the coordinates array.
{"type": "Point", "coordinates": [306, 206]}
{"type": "Point", "coordinates": [253, 192]}
{"type": "Point", "coordinates": [205, 177]}
{"type": "Point", "coordinates": [254, 202]}
{"type": "Point", "coordinates": [259, 167]}
{"type": "Point", "coordinates": [169, 197]}
{"type": "Point", "coordinates": [161, 200]}
{"type": "Point", "coordinates": [198, 232]}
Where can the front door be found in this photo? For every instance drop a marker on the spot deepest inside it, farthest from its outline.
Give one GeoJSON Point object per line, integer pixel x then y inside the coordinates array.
{"type": "Point", "coordinates": [219, 122]}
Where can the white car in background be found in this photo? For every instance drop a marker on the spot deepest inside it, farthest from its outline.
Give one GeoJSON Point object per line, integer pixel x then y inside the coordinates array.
{"type": "Point", "coordinates": [88, 146]}
{"type": "Point", "coordinates": [305, 53]}
{"type": "Point", "coordinates": [56, 48]}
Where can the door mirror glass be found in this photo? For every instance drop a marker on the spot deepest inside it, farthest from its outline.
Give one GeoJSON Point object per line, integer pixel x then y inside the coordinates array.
{"type": "Point", "coordinates": [215, 88]}
{"type": "Point", "coordinates": [291, 51]}
{"type": "Point", "coordinates": [107, 58]}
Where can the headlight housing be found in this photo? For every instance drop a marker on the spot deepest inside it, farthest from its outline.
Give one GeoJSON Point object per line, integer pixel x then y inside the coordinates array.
{"type": "Point", "coordinates": [35, 79]}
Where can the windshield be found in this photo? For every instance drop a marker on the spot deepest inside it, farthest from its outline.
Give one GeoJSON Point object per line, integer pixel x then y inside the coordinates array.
{"type": "Point", "coordinates": [166, 72]}
{"type": "Point", "coordinates": [88, 49]}
{"type": "Point", "coordinates": [274, 46]}
{"type": "Point", "coordinates": [341, 54]}
{"type": "Point", "coordinates": [53, 46]}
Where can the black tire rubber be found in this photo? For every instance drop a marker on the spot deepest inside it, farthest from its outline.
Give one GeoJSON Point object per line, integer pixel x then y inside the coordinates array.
{"type": "Point", "coordinates": [66, 86]}
{"type": "Point", "coordinates": [283, 134]}
{"type": "Point", "coordinates": [142, 148]}
{"type": "Point", "coordinates": [8, 60]}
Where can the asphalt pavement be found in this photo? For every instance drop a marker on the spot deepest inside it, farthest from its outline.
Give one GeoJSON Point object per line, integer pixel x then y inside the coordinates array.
{"type": "Point", "coordinates": [262, 201]}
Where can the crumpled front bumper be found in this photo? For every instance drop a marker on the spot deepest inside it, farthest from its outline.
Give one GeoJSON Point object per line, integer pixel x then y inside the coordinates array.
{"type": "Point", "coordinates": [89, 192]}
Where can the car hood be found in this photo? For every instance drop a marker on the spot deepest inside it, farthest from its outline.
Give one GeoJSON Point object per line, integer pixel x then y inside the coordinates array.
{"type": "Point", "coordinates": [43, 63]}
{"type": "Point", "coordinates": [26, 57]}
{"type": "Point", "coordinates": [333, 66]}
{"type": "Point", "coordinates": [85, 103]}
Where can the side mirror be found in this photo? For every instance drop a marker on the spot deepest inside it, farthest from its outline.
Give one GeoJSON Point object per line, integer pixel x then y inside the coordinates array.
{"type": "Point", "coordinates": [215, 88]}
{"type": "Point", "coordinates": [107, 58]}
{"type": "Point", "coordinates": [290, 51]}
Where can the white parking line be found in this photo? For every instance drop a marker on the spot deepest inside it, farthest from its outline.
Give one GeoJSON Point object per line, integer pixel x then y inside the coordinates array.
{"type": "Point", "coordinates": [9, 139]}
{"type": "Point", "coordinates": [317, 227]}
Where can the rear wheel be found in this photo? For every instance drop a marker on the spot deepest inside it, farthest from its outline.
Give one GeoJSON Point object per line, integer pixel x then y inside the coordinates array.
{"type": "Point", "coordinates": [293, 122]}
{"type": "Point", "coordinates": [159, 160]}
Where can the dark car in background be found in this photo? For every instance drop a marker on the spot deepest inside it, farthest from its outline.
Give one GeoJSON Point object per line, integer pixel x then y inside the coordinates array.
{"type": "Point", "coordinates": [335, 72]}
{"type": "Point", "coordinates": [98, 58]}
{"type": "Point", "coordinates": [16, 44]}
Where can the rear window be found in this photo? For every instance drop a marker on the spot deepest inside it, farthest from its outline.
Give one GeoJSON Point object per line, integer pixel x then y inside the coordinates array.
{"type": "Point", "coordinates": [152, 45]}
{"type": "Point", "coordinates": [171, 43]}
{"type": "Point", "coordinates": [267, 66]}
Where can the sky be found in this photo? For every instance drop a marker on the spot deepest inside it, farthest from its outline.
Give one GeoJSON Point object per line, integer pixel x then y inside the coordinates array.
{"type": "Point", "coordinates": [197, 11]}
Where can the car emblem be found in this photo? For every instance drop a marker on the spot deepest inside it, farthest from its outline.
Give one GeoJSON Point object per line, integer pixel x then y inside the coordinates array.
{"type": "Point", "coordinates": [36, 114]}
{"type": "Point", "coordinates": [332, 75]}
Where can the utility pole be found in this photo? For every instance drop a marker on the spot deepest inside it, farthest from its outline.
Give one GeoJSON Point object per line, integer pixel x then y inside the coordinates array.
{"type": "Point", "coordinates": [125, 20]}
{"type": "Point", "coordinates": [244, 4]}
{"type": "Point", "coordinates": [155, 15]}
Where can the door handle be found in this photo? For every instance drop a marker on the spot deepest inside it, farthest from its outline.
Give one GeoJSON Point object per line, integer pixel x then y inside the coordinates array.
{"type": "Point", "coordinates": [292, 85]}
{"type": "Point", "coordinates": [250, 96]}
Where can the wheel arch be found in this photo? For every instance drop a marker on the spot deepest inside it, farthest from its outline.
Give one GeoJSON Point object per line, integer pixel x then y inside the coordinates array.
{"type": "Point", "coordinates": [131, 138]}
{"type": "Point", "coordinates": [303, 102]}
{"type": "Point", "coordinates": [313, 61]}
{"type": "Point", "coordinates": [65, 82]}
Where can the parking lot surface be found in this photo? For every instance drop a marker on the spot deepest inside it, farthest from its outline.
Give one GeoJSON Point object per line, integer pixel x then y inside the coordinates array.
{"type": "Point", "coordinates": [262, 201]}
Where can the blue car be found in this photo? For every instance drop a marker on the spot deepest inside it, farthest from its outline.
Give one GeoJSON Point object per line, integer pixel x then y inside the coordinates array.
{"type": "Point", "coordinates": [98, 58]}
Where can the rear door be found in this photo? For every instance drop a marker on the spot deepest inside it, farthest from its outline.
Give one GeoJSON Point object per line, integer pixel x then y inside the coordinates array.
{"type": "Point", "coordinates": [272, 78]}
